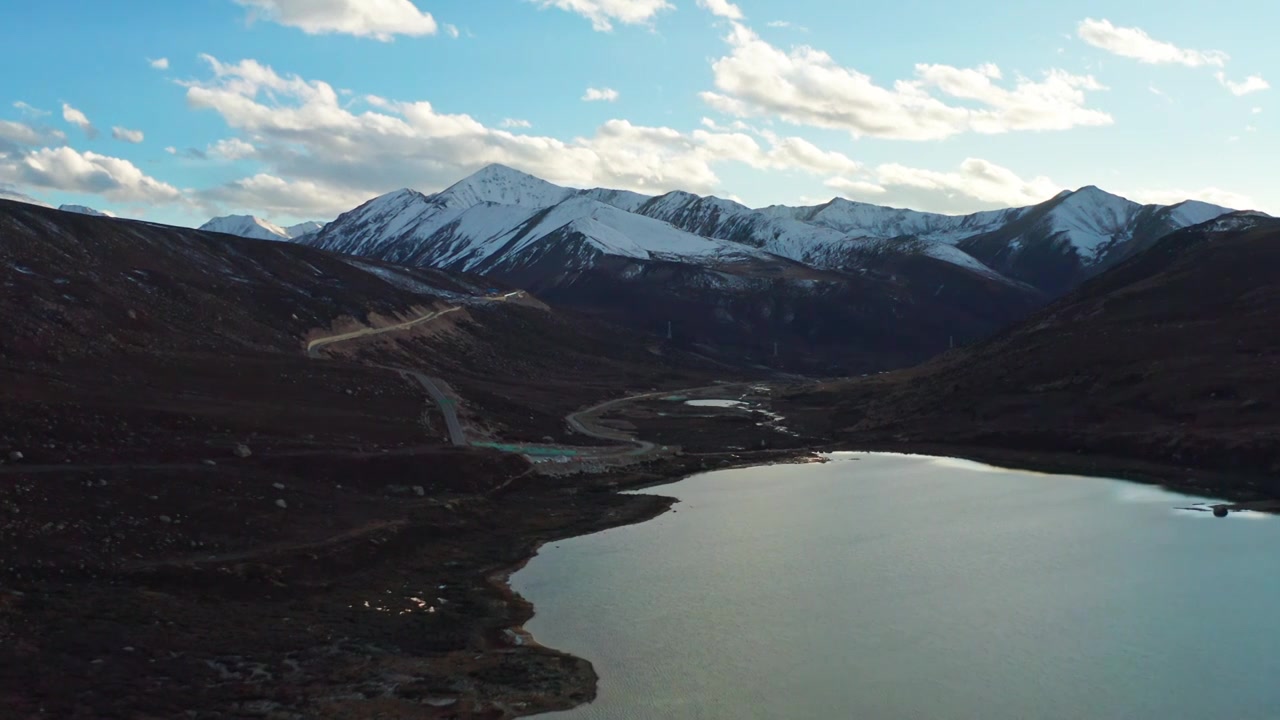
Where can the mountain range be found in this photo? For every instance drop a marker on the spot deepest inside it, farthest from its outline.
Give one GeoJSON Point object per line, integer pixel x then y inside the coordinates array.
{"type": "Point", "coordinates": [1167, 360]}
{"type": "Point", "coordinates": [840, 286]}
{"type": "Point", "coordinates": [256, 228]}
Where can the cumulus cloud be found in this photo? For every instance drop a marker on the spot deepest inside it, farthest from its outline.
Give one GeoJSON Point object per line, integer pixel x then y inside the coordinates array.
{"type": "Point", "coordinates": [273, 195]}
{"type": "Point", "coordinates": [69, 170]}
{"type": "Point", "coordinates": [377, 19]}
{"type": "Point", "coordinates": [603, 13]}
{"type": "Point", "coordinates": [18, 133]}
{"type": "Point", "coordinates": [600, 95]}
{"type": "Point", "coordinates": [79, 119]}
{"type": "Point", "coordinates": [722, 8]}
{"type": "Point", "coordinates": [453, 31]}
{"type": "Point", "coordinates": [976, 185]}
{"type": "Point", "coordinates": [807, 87]}
{"type": "Point", "coordinates": [127, 135]}
{"type": "Point", "coordinates": [516, 123]}
{"type": "Point", "coordinates": [1135, 43]}
{"type": "Point", "coordinates": [1251, 84]}
{"type": "Point", "coordinates": [1216, 196]}
{"type": "Point", "coordinates": [159, 63]}
{"type": "Point", "coordinates": [231, 149]}
{"type": "Point", "coordinates": [304, 132]}
{"type": "Point", "coordinates": [15, 137]}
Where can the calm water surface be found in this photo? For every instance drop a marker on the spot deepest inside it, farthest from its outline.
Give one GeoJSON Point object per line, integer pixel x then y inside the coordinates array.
{"type": "Point", "coordinates": [886, 587]}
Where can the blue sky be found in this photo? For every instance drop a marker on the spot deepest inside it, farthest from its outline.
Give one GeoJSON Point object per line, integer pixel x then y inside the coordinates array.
{"type": "Point", "coordinates": [179, 111]}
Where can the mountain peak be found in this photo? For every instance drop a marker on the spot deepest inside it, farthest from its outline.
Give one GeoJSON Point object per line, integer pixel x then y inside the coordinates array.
{"type": "Point", "coordinates": [503, 185]}
{"type": "Point", "coordinates": [83, 210]}
{"type": "Point", "coordinates": [246, 226]}
{"type": "Point", "coordinates": [1094, 193]}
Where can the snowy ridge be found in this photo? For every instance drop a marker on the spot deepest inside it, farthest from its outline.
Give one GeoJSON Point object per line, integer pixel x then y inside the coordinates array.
{"type": "Point", "coordinates": [1090, 218]}
{"type": "Point", "coordinates": [83, 210]}
{"type": "Point", "coordinates": [304, 228]}
{"type": "Point", "coordinates": [497, 215]}
{"type": "Point", "coordinates": [247, 226]}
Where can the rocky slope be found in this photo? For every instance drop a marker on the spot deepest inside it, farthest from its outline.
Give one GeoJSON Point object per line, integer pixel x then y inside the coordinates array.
{"type": "Point", "coordinates": [1168, 358]}
{"type": "Point", "coordinates": [195, 514]}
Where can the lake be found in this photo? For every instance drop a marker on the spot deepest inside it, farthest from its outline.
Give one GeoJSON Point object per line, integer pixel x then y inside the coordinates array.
{"type": "Point", "coordinates": [887, 586]}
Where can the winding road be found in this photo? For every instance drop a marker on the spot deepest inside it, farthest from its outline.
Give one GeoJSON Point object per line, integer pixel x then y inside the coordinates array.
{"type": "Point", "coordinates": [447, 406]}
{"type": "Point", "coordinates": [581, 421]}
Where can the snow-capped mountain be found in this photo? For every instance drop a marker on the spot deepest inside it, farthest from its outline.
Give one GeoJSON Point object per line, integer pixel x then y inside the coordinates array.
{"type": "Point", "coordinates": [309, 227]}
{"type": "Point", "coordinates": [498, 216]}
{"type": "Point", "coordinates": [259, 229]}
{"type": "Point", "coordinates": [1059, 243]}
{"type": "Point", "coordinates": [83, 210]}
{"type": "Point", "coordinates": [889, 279]}
{"type": "Point", "coordinates": [247, 226]}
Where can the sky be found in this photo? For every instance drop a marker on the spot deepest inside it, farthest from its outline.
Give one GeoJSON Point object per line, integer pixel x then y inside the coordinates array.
{"type": "Point", "coordinates": [297, 110]}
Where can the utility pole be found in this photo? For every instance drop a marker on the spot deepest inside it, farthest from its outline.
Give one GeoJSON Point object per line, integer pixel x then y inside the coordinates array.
{"type": "Point", "coordinates": [668, 329]}
{"type": "Point", "coordinates": [953, 342]}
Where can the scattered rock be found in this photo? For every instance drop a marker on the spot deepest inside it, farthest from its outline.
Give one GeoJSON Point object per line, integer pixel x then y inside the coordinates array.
{"type": "Point", "coordinates": [166, 519]}
{"type": "Point", "coordinates": [210, 463]}
{"type": "Point", "coordinates": [243, 451]}
{"type": "Point", "coordinates": [278, 486]}
{"type": "Point", "coordinates": [282, 504]}
{"type": "Point", "coordinates": [15, 456]}
{"type": "Point", "coordinates": [419, 490]}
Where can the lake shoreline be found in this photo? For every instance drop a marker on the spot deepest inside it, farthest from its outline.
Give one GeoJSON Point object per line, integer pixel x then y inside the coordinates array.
{"type": "Point", "coordinates": [1185, 480]}
{"type": "Point", "coordinates": [1180, 480]}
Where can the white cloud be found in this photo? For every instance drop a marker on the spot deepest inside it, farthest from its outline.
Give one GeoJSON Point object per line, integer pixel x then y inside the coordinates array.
{"type": "Point", "coordinates": [1257, 111]}
{"type": "Point", "coordinates": [377, 19]}
{"type": "Point", "coordinates": [171, 150]}
{"type": "Point", "coordinates": [722, 8]}
{"type": "Point", "coordinates": [1216, 196]}
{"type": "Point", "coordinates": [308, 140]}
{"type": "Point", "coordinates": [807, 87]}
{"type": "Point", "coordinates": [231, 149]}
{"type": "Point", "coordinates": [127, 135]}
{"type": "Point", "coordinates": [453, 31]}
{"type": "Point", "coordinates": [602, 13]}
{"type": "Point", "coordinates": [600, 95]}
{"type": "Point", "coordinates": [10, 192]}
{"type": "Point", "coordinates": [275, 196]}
{"type": "Point", "coordinates": [516, 123]}
{"type": "Point", "coordinates": [79, 119]}
{"type": "Point", "coordinates": [1135, 43]}
{"type": "Point", "coordinates": [18, 133]}
{"type": "Point", "coordinates": [30, 111]}
{"type": "Point", "coordinates": [159, 63]}
{"type": "Point", "coordinates": [72, 171]}
{"type": "Point", "coordinates": [1159, 93]}
{"type": "Point", "coordinates": [976, 185]}
{"type": "Point", "coordinates": [1251, 84]}
{"type": "Point", "coordinates": [856, 188]}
